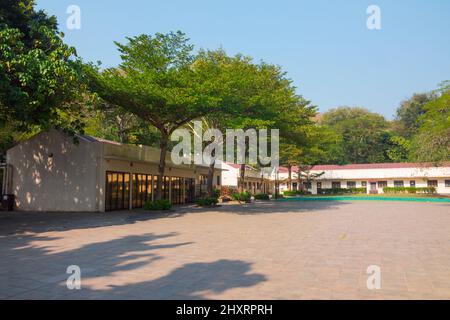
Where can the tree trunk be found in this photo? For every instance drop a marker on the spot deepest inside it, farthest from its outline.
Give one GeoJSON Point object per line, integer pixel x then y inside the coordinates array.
{"type": "Point", "coordinates": [242, 177]}
{"type": "Point", "coordinates": [290, 177]}
{"type": "Point", "coordinates": [162, 165]}
{"type": "Point", "coordinates": [211, 179]}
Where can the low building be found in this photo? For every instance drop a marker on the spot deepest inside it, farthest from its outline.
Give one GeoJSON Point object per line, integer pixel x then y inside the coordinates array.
{"type": "Point", "coordinates": [255, 180]}
{"type": "Point", "coordinates": [372, 177]}
{"type": "Point", "coordinates": [49, 172]}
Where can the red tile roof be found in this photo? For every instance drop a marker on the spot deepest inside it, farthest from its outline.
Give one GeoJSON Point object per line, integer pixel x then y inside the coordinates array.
{"type": "Point", "coordinates": [233, 165]}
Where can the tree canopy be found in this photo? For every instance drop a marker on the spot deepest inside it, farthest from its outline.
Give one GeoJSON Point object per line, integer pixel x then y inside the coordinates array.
{"type": "Point", "coordinates": [39, 73]}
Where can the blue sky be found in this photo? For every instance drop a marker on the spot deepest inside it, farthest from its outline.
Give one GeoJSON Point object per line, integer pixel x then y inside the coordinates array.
{"type": "Point", "coordinates": [324, 46]}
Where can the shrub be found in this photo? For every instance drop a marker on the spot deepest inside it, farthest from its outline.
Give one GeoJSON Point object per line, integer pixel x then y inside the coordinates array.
{"type": "Point", "coordinates": [243, 196]}
{"type": "Point", "coordinates": [335, 191]}
{"type": "Point", "coordinates": [216, 193]}
{"type": "Point", "coordinates": [397, 190]}
{"type": "Point", "coordinates": [262, 196]}
{"type": "Point", "coordinates": [303, 192]}
{"type": "Point", "coordinates": [207, 202]}
{"type": "Point", "coordinates": [289, 193]}
{"type": "Point", "coordinates": [429, 190]}
{"type": "Point", "coordinates": [292, 193]}
{"type": "Point", "coordinates": [162, 204]}
{"type": "Point", "coordinates": [357, 190]}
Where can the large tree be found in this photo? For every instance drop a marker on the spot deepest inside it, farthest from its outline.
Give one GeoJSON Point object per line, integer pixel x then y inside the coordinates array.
{"type": "Point", "coordinates": [408, 118]}
{"type": "Point", "coordinates": [39, 74]}
{"type": "Point", "coordinates": [253, 95]}
{"type": "Point", "coordinates": [159, 81]}
{"type": "Point", "coordinates": [432, 142]}
{"type": "Point", "coordinates": [364, 134]}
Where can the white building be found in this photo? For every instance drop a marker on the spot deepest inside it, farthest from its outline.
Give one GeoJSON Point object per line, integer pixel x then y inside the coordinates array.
{"type": "Point", "coordinates": [255, 180]}
{"type": "Point", "coordinates": [373, 177]}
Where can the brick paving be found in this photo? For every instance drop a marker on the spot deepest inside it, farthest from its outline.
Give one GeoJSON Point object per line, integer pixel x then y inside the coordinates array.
{"type": "Point", "coordinates": [292, 250]}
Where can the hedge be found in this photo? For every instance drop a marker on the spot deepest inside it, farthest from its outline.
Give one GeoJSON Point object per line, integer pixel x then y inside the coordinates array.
{"type": "Point", "coordinates": [426, 190]}
{"type": "Point", "coordinates": [162, 204]}
{"type": "Point", "coordinates": [207, 202]}
{"type": "Point", "coordinates": [343, 191]}
{"type": "Point", "coordinates": [262, 196]}
{"type": "Point", "coordinates": [243, 196]}
{"type": "Point", "coordinates": [292, 193]}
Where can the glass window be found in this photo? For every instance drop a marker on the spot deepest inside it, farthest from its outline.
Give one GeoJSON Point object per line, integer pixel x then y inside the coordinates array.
{"type": "Point", "coordinates": [382, 184]}
{"type": "Point", "coordinates": [398, 184]}
{"type": "Point", "coordinates": [351, 184]}
{"type": "Point", "coordinates": [336, 185]}
{"type": "Point", "coordinates": [412, 184]}
{"type": "Point", "coordinates": [432, 183]}
{"type": "Point", "coordinates": [447, 183]}
{"type": "Point", "coordinates": [363, 184]}
{"type": "Point", "coordinates": [117, 191]}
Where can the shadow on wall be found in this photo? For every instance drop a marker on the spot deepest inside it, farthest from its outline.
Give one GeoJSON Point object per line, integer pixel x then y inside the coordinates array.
{"type": "Point", "coordinates": [35, 259]}
{"type": "Point", "coordinates": [52, 173]}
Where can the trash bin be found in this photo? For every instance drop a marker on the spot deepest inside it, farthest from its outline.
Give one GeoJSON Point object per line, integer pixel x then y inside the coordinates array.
{"type": "Point", "coordinates": [8, 202]}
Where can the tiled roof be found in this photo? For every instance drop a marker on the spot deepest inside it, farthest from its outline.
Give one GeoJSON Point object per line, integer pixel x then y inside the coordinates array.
{"type": "Point", "coordinates": [95, 139]}
{"type": "Point", "coordinates": [369, 166]}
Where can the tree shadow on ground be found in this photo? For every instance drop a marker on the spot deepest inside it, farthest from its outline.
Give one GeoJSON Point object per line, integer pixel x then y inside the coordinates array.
{"type": "Point", "coordinates": [277, 207]}
{"type": "Point", "coordinates": [34, 267]}
{"type": "Point", "coordinates": [191, 281]}
{"type": "Point", "coordinates": [22, 222]}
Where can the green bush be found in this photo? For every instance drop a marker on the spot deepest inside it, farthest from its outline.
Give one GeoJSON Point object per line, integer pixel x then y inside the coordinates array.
{"type": "Point", "coordinates": [397, 190]}
{"type": "Point", "coordinates": [335, 191]}
{"type": "Point", "coordinates": [243, 196]}
{"type": "Point", "coordinates": [292, 193]}
{"type": "Point", "coordinates": [216, 193]}
{"type": "Point", "coordinates": [262, 196]}
{"type": "Point", "coordinates": [162, 204]}
{"type": "Point", "coordinates": [207, 202]}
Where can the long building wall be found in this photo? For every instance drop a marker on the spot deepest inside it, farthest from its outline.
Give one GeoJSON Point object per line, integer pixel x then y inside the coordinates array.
{"type": "Point", "coordinates": [51, 173]}
{"type": "Point", "coordinates": [373, 178]}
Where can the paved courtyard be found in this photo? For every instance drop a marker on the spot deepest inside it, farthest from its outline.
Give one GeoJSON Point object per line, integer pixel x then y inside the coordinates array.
{"type": "Point", "coordinates": [294, 250]}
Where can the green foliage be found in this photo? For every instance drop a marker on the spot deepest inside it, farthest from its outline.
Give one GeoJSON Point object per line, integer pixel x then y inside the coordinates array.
{"type": "Point", "coordinates": [207, 202]}
{"type": "Point", "coordinates": [216, 193]}
{"type": "Point", "coordinates": [158, 205]}
{"type": "Point", "coordinates": [343, 191]}
{"type": "Point", "coordinates": [393, 190]}
{"type": "Point", "coordinates": [409, 114]}
{"type": "Point", "coordinates": [432, 142]}
{"type": "Point", "coordinates": [242, 197]}
{"type": "Point", "coordinates": [292, 193]}
{"type": "Point", "coordinates": [398, 149]}
{"type": "Point", "coordinates": [363, 134]}
{"type": "Point", "coordinates": [289, 193]}
{"type": "Point", "coordinates": [39, 77]}
{"type": "Point", "coordinates": [262, 196]}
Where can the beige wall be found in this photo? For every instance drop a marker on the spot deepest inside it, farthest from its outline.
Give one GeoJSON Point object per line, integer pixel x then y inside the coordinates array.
{"type": "Point", "coordinates": [51, 173]}
{"type": "Point", "coordinates": [66, 181]}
